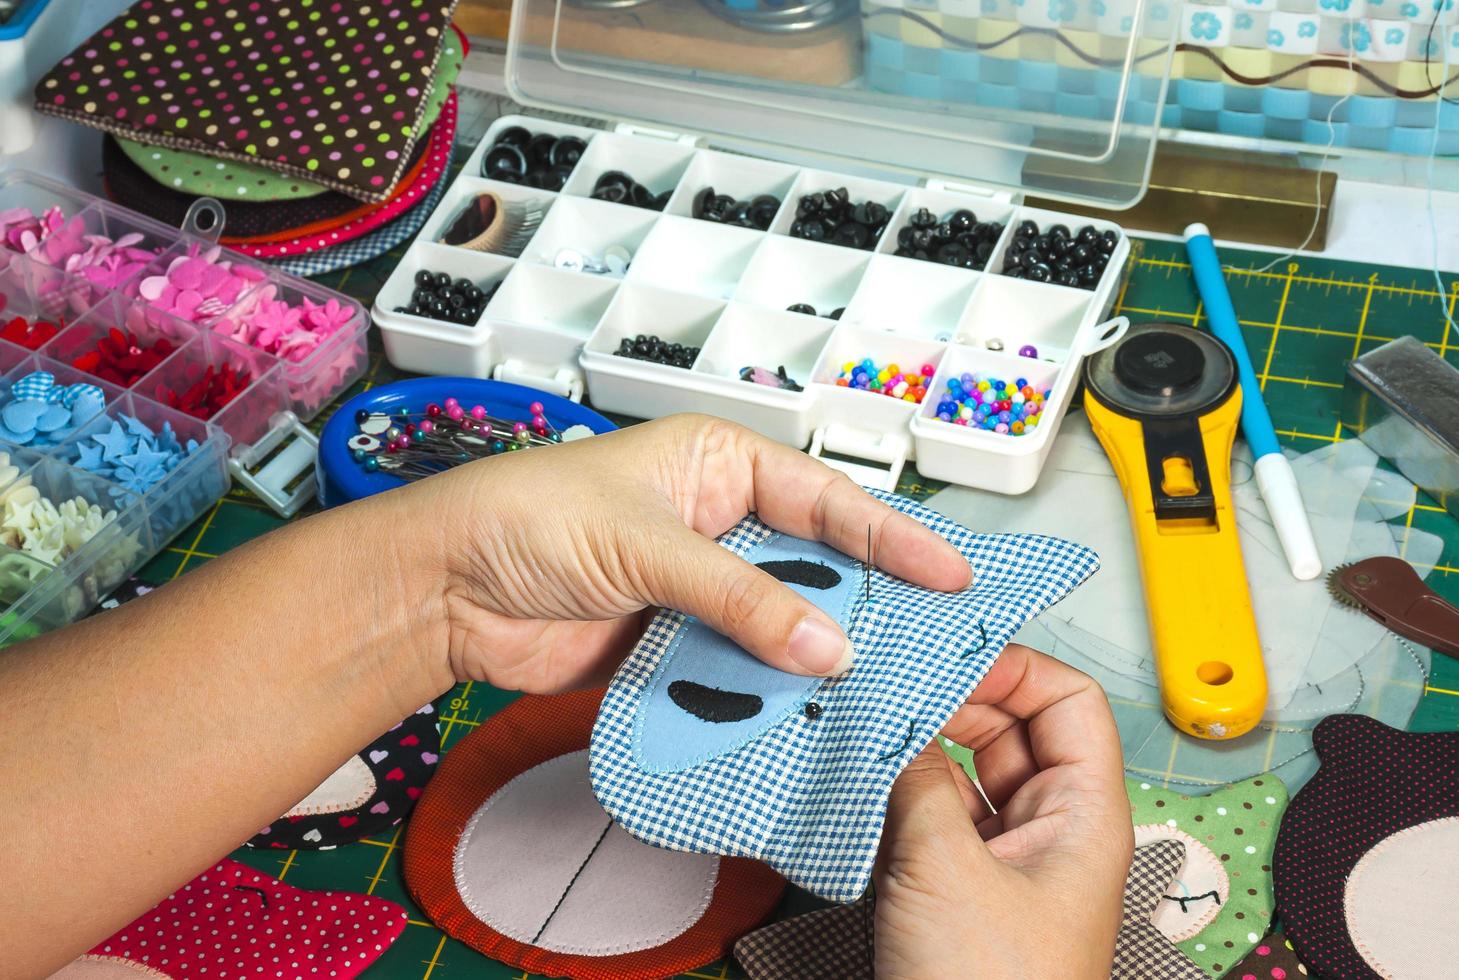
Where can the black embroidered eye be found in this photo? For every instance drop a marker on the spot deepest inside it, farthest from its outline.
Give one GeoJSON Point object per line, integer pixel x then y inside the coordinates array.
{"type": "Point", "coordinates": [798, 571]}
{"type": "Point", "coordinates": [981, 645]}
{"type": "Point", "coordinates": [1185, 901]}
{"type": "Point", "coordinates": [713, 705]}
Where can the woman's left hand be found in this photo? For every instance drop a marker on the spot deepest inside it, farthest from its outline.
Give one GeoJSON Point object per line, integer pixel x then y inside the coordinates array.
{"type": "Point", "coordinates": [548, 559]}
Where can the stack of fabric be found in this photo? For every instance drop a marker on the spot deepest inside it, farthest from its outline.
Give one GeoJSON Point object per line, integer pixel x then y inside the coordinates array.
{"type": "Point", "coordinates": [324, 128]}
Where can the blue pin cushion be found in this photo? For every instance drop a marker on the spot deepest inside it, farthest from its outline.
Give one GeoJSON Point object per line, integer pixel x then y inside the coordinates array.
{"type": "Point", "coordinates": [341, 479]}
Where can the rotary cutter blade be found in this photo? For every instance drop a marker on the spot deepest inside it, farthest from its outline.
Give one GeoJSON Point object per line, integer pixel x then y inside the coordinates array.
{"type": "Point", "coordinates": [1165, 405]}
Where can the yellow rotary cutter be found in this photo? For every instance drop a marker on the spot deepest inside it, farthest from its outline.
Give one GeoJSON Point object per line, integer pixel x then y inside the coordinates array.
{"type": "Point", "coordinates": [1165, 404]}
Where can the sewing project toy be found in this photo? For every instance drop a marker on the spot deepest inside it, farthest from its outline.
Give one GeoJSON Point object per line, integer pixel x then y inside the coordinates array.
{"type": "Point", "coordinates": [1368, 853]}
{"type": "Point", "coordinates": [839, 943]}
{"type": "Point", "coordinates": [231, 921]}
{"type": "Point", "coordinates": [1220, 903]}
{"type": "Point", "coordinates": [700, 747]}
{"type": "Point", "coordinates": [510, 853]}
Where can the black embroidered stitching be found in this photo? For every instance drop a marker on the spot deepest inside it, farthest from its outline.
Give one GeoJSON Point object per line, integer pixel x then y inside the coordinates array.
{"type": "Point", "coordinates": [576, 874]}
{"type": "Point", "coordinates": [712, 704]}
{"type": "Point", "coordinates": [798, 571]}
{"type": "Point", "coordinates": [262, 895]}
{"type": "Point", "coordinates": [982, 643]}
{"type": "Point", "coordinates": [1183, 902]}
{"type": "Point", "coordinates": [911, 730]}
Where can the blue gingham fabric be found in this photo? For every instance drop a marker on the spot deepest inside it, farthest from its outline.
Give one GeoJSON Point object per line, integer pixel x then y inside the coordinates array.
{"type": "Point", "coordinates": [808, 794]}
{"type": "Point", "coordinates": [41, 386]}
{"type": "Point", "coordinates": [370, 246]}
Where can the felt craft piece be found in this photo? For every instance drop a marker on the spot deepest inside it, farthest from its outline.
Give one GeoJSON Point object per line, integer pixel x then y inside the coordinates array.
{"type": "Point", "coordinates": [1141, 949]}
{"type": "Point", "coordinates": [439, 150]}
{"type": "Point", "coordinates": [130, 187]}
{"type": "Point", "coordinates": [427, 170]}
{"type": "Point", "coordinates": [1368, 853]}
{"type": "Point", "coordinates": [333, 96]}
{"type": "Point", "coordinates": [1220, 903]}
{"type": "Point", "coordinates": [233, 922]}
{"type": "Point", "coordinates": [510, 853]}
{"type": "Point", "coordinates": [839, 943]}
{"type": "Point", "coordinates": [370, 246]}
{"type": "Point", "coordinates": [370, 792]}
{"type": "Point", "coordinates": [1271, 959]}
{"type": "Point", "coordinates": [701, 747]}
{"type": "Point", "coordinates": [235, 183]}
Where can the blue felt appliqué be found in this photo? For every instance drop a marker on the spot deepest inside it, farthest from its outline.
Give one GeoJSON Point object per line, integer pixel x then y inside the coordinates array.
{"type": "Point", "coordinates": [668, 734]}
{"type": "Point", "coordinates": [692, 767]}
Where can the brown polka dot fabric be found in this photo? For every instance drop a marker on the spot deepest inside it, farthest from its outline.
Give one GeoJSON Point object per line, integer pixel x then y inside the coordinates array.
{"type": "Point", "coordinates": [1373, 782]}
{"type": "Point", "coordinates": [130, 186]}
{"type": "Point", "coordinates": [1273, 958]}
{"type": "Point", "coordinates": [327, 90]}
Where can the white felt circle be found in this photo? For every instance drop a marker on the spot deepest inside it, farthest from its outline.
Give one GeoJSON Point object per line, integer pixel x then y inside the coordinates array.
{"type": "Point", "coordinates": [1200, 875]}
{"type": "Point", "coordinates": [1399, 902]}
{"type": "Point", "coordinates": [347, 788]}
{"type": "Point", "coordinates": [541, 863]}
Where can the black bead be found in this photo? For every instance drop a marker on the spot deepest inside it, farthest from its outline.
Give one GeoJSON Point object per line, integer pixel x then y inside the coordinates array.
{"type": "Point", "coordinates": [1028, 229]}
{"type": "Point", "coordinates": [1108, 241]}
{"type": "Point", "coordinates": [805, 308]}
{"type": "Point", "coordinates": [503, 158]}
{"type": "Point", "coordinates": [1039, 272]}
{"type": "Point", "coordinates": [425, 279]}
{"type": "Point", "coordinates": [1059, 231]}
{"type": "Point", "coordinates": [362, 416]}
{"type": "Point", "coordinates": [836, 313]}
{"type": "Point", "coordinates": [962, 220]}
{"type": "Point", "coordinates": [566, 151]}
{"type": "Point", "coordinates": [983, 252]}
{"type": "Point", "coordinates": [812, 710]}
{"type": "Point", "coordinates": [514, 136]}
{"type": "Point", "coordinates": [1088, 235]}
{"type": "Point", "coordinates": [1030, 259]}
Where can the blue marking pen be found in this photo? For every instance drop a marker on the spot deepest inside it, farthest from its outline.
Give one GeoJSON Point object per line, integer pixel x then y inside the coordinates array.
{"type": "Point", "coordinates": [1274, 476]}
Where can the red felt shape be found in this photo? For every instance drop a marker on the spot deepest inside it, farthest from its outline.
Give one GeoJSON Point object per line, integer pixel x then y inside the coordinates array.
{"type": "Point", "coordinates": [122, 359]}
{"type": "Point", "coordinates": [231, 923]}
{"type": "Point", "coordinates": [524, 735]}
{"type": "Point", "coordinates": [28, 334]}
{"type": "Point", "coordinates": [207, 396]}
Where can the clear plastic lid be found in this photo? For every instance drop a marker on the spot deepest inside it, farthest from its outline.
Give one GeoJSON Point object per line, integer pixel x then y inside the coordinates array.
{"type": "Point", "coordinates": [1057, 98]}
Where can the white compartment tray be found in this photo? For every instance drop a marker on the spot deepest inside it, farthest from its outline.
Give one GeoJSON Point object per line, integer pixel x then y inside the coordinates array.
{"type": "Point", "coordinates": [726, 290]}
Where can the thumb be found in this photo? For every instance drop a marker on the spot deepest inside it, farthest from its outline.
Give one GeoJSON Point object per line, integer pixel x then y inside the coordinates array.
{"type": "Point", "coordinates": [928, 830]}
{"type": "Point", "coordinates": [696, 576]}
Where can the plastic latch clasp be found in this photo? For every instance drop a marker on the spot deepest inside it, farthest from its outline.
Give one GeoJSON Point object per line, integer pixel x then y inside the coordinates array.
{"type": "Point", "coordinates": [991, 193]}
{"type": "Point", "coordinates": [205, 218]}
{"type": "Point", "coordinates": [851, 445]}
{"type": "Point", "coordinates": [286, 479]}
{"type": "Point", "coordinates": [634, 129]}
{"type": "Point", "coordinates": [564, 381]}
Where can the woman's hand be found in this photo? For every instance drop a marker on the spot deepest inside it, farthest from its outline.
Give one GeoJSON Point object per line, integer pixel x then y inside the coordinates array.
{"type": "Point", "coordinates": [1037, 890]}
{"type": "Point", "coordinates": [548, 558]}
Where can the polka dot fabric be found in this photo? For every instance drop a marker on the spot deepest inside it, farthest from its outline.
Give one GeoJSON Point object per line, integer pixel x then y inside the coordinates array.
{"type": "Point", "coordinates": [232, 922]}
{"type": "Point", "coordinates": [1220, 904]}
{"type": "Point", "coordinates": [331, 92]}
{"type": "Point", "coordinates": [1272, 959]}
{"type": "Point", "coordinates": [1372, 782]}
{"type": "Point", "coordinates": [229, 180]}
{"type": "Point", "coordinates": [128, 185]}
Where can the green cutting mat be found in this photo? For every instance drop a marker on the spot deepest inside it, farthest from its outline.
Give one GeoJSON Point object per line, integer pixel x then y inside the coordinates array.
{"type": "Point", "coordinates": [1303, 321]}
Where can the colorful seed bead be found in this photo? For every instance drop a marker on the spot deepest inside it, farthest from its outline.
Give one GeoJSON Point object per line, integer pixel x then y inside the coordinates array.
{"type": "Point", "coordinates": [889, 379]}
{"type": "Point", "coordinates": [984, 402]}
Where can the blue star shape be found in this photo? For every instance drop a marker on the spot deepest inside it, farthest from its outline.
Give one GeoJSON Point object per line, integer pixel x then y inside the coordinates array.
{"type": "Point", "coordinates": [115, 443]}
{"type": "Point", "coordinates": [90, 458]}
{"type": "Point", "coordinates": [136, 427]}
{"type": "Point", "coordinates": [147, 463]}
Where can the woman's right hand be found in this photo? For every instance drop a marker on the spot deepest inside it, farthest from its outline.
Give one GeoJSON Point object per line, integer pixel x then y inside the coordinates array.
{"type": "Point", "coordinates": [1036, 890]}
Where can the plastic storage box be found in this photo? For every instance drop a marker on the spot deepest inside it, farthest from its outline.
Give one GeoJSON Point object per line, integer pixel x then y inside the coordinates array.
{"type": "Point", "coordinates": [32, 39]}
{"type": "Point", "coordinates": [37, 596]}
{"type": "Point", "coordinates": [726, 289]}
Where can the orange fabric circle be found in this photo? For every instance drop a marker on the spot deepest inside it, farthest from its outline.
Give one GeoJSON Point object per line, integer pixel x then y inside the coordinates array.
{"type": "Point", "coordinates": [530, 731]}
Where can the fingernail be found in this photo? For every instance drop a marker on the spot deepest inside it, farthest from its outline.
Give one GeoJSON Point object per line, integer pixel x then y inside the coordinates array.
{"type": "Point", "coordinates": [820, 647]}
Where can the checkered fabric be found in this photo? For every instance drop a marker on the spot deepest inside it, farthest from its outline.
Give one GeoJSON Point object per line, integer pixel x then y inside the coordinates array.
{"type": "Point", "coordinates": [1142, 952]}
{"type": "Point", "coordinates": [832, 944]}
{"type": "Point", "coordinates": [41, 386]}
{"type": "Point", "coordinates": [373, 245]}
{"type": "Point", "coordinates": [808, 796]}
{"type": "Point", "coordinates": [839, 943]}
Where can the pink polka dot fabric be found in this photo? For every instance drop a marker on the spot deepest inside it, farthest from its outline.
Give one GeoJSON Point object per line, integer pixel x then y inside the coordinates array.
{"type": "Point", "coordinates": [232, 922]}
{"type": "Point", "coordinates": [1373, 782]}
{"type": "Point", "coordinates": [327, 90]}
{"type": "Point", "coordinates": [439, 151]}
